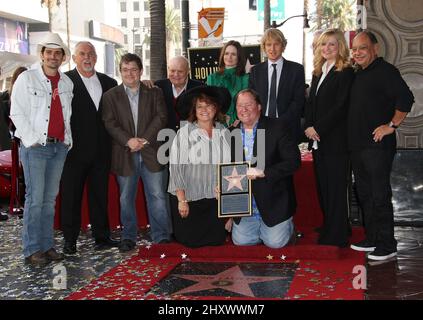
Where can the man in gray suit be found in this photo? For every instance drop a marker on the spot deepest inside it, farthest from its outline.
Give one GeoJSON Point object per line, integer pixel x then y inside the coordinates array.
{"type": "Point", "coordinates": [133, 115]}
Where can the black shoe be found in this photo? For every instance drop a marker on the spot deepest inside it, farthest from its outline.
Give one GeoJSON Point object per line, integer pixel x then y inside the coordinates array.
{"type": "Point", "coordinates": [69, 248]}
{"type": "Point", "coordinates": [106, 243]}
{"type": "Point", "coordinates": [3, 216]}
{"type": "Point", "coordinates": [364, 245]}
{"type": "Point", "coordinates": [126, 245]}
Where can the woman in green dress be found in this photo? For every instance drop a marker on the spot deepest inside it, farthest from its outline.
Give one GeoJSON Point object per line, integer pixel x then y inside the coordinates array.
{"type": "Point", "coordinates": [231, 74]}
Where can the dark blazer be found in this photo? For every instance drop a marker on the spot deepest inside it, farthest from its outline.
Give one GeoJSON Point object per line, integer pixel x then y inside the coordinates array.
{"type": "Point", "coordinates": [275, 193]}
{"type": "Point", "coordinates": [166, 87]}
{"type": "Point", "coordinates": [91, 142]}
{"type": "Point", "coordinates": [327, 111]}
{"type": "Point", "coordinates": [117, 117]}
{"type": "Point", "coordinates": [291, 92]}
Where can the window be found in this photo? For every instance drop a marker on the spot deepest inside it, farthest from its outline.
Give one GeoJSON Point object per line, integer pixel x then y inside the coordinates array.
{"type": "Point", "coordinates": [137, 38]}
{"type": "Point", "coordinates": [136, 6]}
{"type": "Point", "coordinates": [136, 22]}
{"type": "Point", "coordinates": [147, 54]}
{"type": "Point", "coordinates": [253, 5]}
{"type": "Point", "coordinates": [138, 51]}
{"type": "Point", "coordinates": [147, 22]}
{"type": "Point", "coordinates": [123, 23]}
{"type": "Point", "coordinates": [125, 39]}
{"type": "Point", "coordinates": [123, 6]}
{"type": "Point", "coordinates": [146, 6]}
{"type": "Point", "coordinates": [177, 4]}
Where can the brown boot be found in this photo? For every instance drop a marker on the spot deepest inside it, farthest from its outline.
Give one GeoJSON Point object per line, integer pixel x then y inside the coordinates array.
{"type": "Point", "coordinates": [53, 255]}
{"type": "Point", "coordinates": [37, 259]}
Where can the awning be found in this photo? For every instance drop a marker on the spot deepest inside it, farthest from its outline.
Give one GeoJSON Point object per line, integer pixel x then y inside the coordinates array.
{"type": "Point", "coordinates": [10, 61]}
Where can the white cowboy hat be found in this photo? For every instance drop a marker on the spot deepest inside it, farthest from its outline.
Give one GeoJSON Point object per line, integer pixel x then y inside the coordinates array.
{"type": "Point", "coordinates": [53, 41]}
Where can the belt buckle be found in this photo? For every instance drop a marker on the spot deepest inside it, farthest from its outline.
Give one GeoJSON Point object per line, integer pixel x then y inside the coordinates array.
{"type": "Point", "coordinates": [52, 140]}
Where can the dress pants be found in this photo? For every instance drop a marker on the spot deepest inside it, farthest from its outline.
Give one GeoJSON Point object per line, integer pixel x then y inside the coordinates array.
{"type": "Point", "coordinates": [75, 174]}
{"type": "Point", "coordinates": [372, 173]}
{"type": "Point", "coordinates": [331, 172]}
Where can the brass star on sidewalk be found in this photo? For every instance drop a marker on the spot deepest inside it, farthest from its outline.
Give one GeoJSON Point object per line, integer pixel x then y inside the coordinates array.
{"type": "Point", "coordinates": [232, 279]}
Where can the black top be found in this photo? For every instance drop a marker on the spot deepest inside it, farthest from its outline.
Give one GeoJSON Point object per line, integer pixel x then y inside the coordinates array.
{"type": "Point", "coordinates": [327, 110]}
{"type": "Point", "coordinates": [376, 93]}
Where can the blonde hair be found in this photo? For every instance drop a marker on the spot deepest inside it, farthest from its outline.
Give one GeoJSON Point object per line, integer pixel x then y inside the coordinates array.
{"type": "Point", "coordinates": [273, 34]}
{"type": "Point", "coordinates": [343, 58]}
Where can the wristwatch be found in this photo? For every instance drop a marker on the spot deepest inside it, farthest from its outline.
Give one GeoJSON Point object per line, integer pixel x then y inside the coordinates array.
{"type": "Point", "coordinates": [391, 124]}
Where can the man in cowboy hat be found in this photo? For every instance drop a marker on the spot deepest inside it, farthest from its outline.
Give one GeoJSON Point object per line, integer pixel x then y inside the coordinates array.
{"type": "Point", "coordinates": [133, 114]}
{"type": "Point", "coordinates": [41, 111]}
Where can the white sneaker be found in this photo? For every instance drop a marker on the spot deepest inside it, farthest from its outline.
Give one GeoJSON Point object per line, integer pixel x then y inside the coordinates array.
{"type": "Point", "coordinates": [363, 246]}
{"type": "Point", "coordinates": [381, 255]}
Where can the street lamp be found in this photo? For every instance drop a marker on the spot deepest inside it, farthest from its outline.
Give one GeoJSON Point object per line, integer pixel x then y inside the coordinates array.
{"type": "Point", "coordinates": [133, 38]}
{"type": "Point", "coordinates": [305, 16]}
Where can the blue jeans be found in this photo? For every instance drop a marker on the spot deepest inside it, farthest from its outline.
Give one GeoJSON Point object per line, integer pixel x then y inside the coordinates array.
{"type": "Point", "coordinates": [252, 230]}
{"type": "Point", "coordinates": [42, 167]}
{"type": "Point", "coordinates": [157, 206]}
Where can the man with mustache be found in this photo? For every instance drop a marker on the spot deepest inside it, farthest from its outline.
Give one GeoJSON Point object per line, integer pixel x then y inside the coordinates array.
{"type": "Point", "coordinates": [89, 159]}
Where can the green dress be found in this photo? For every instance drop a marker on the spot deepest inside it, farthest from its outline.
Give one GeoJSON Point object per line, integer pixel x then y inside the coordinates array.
{"type": "Point", "coordinates": [233, 83]}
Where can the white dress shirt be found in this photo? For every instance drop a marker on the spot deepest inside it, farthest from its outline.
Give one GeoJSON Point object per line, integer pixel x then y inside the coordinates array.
{"type": "Point", "coordinates": [175, 93]}
{"type": "Point", "coordinates": [325, 71]}
{"type": "Point", "coordinates": [94, 88]}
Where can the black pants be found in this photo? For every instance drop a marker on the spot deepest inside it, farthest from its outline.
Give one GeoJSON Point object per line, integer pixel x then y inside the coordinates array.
{"type": "Point", "coordinates": [74, 176]}
{"type": "Point", "coordinates": [332, 186]}
{"type": "Point", "coordinates": [372, 173]}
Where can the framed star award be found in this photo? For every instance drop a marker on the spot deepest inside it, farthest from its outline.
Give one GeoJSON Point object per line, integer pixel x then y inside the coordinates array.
{"type": "Point", "coordinates": [234, 199]}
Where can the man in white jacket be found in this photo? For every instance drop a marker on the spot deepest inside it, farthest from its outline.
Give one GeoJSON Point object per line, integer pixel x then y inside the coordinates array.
{"type": "Point", "coordinates": [41, 111]}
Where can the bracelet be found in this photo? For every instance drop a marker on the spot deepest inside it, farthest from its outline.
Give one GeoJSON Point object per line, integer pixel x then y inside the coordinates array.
{"type": "Point", "coordinates": [183, 201]}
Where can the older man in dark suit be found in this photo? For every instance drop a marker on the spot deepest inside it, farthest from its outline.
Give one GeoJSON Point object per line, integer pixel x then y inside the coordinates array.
{"type": "Point", "coordinates": [274, 155]}
{"type": "Point", "coordinates": [133, 115]}
{"type": "Point", "coordinates": [280, 83]}
{"type": "Point", "coordinates": [89, 159]}
{"type": "Point", "coordinates": [177, 83]}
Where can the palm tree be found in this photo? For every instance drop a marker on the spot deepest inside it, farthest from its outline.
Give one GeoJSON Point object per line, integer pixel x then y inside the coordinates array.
{"type": "Point", "coordinates": [266, 11]}
{"type": "Point", "coordinates": [334, 14]}
{"type": "Point", "coordinates": [158, 39]}
{"type": "Point", "coordinates": [173, 29]}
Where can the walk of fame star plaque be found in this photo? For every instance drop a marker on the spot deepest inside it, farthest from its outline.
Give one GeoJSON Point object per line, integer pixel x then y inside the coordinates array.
{"type": "Point", "coordinates": [227, 279]}
{"type": "Point", "coordinates": [234, 199]}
